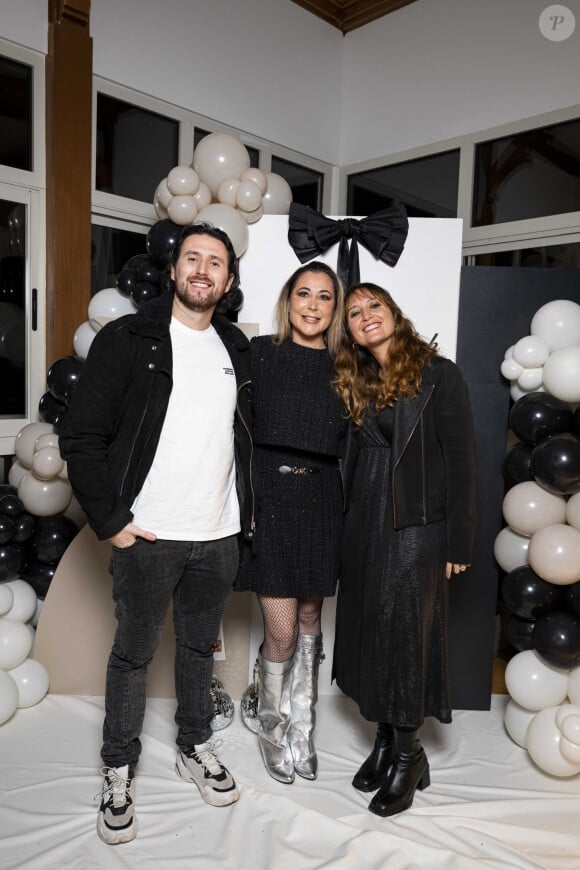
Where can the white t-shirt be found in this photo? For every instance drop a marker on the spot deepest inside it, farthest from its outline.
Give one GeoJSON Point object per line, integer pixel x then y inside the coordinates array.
{"type": "Point", "coordinates": [189, 493]}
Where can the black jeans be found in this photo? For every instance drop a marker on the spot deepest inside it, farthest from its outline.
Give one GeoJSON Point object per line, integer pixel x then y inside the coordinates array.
{"type": "Point", "coordinates": [199, 577]}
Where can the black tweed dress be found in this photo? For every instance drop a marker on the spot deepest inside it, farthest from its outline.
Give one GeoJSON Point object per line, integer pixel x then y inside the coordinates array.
{"type": "Point", "coordinates": [299, 425]}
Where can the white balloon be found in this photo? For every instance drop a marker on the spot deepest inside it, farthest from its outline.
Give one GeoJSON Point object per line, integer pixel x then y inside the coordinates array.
{"type": "Point", "coordinates": [226, 193]}
{"type": "Point", "coordinates": [554, 554]}
{"type": "Point", "coordinates": [83, 338]}
{"type": "Point", "coordinates": [160, 210]}
{"type": "Point", "coordinates": [509, 352]}
{"type": "Point", "coordinates": [26, 439]}
{"type": "Point", "coordinates": [203, 196]}
{"type": "Point", "coordinates": [107, 305]}
{"type": "Point", "coordinates": [510, 369]}
{"type": "Point", "coordinates": [182, 210]}
{"type": "Point", "coordinates": [516, 391]}
{"type": "Point", "coordinates": [530, 380]}
{"type": "Point", "coordinates": [278, 196]}
{"type": "Point", "coordinates": [532, 683]}
{"type": "Point", "coordinates": [162, 193]}
{"type": "Point", "coordinates": [36, 617]}
{"type": "Point", "coordinates": [570, 751]}
{"type": "Point", "coordinates": [531, 351]}
{"type": "Point", "coordinates": [516, 720]}
{"type": "Point", "coordinates": [8, 697]}
{"type": "Point", "coordinates": [47, 463]}
{"type": "Point", "coordinates": [248, 196]}
{"type": "Point", "coordinates": [252, 217]}
{"type": "Point", "coordinates": [182, 181]}
{"type": "Point", "coordinates": [544, 745]}
{"type": "Point", "coordinates": [562, 373]}
{"type": "Point", "coordinates": [574, 686]}
{"type": "Point", "coordinates": [24, 600]}
{"type": "Point", "coordinates": [230, 221]}
{"type": "Point", "coordinates": [6, 598]}
{"type": "Point", "coordinates": [48, 440]}
{"type": "Point", "coordinates": [16, 473]}
{"type": "Point", "coordinates": [510, 549]}
{"type": "Point", "coordinates": [570, 728]}
{"type": "Point", "coordinates": [528, 507]}
{"type": "Point", "coordinates": [32, 633]}
{"type": "Point", "coordinates": [219, 156]}
{"type": "Point", "coordinates": [565, 710]}
{"type": "Point", "coordinates": [44, 498]}
{"type": "Point", "coordinates": [573, 511]}
{"type": "Point", "coordinates": [257, 176]}
{"type": "Point", "coordinates": [558, 323]}
{"type": "Point", "coordinates": [31, 678]}
{"type": "Point", "coordinates": [15, 643]}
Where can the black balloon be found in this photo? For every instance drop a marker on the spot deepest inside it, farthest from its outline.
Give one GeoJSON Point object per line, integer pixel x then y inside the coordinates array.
{"type": "Point", "coordinates": [527, 595]}
{"type": "Point", "coordinates": [51, 538]}
{"type": "Point", "coordinates": [137, 260]}
{"type": "Point", "coordinates": [6, 489]}
{"type": "Point", "coordinates": [51, 410]}
{"type": "Point", "coordinates": [556, 464]}
{"type": "Point", "coordinates": [143, 292]}
{"type": "Point", "coordinates": [571, 597]}
{"type": "Point", "coordinates": [38, 575]}
{"type": "Point", "coordinates": [556, 639]}
{"type": "Point", "coordinates": [518, 631]}
{"type": "Point", "coordinates": [11, 506]}
{"type": "Point", "coordinates": [6, 529]}
{"type": "Point", "coordinates": [23, 527]}
{"type": "Point", "coordinates": [11, 556]}
{"type": "Point", "coordinates": [517, 463]}
{"type": "Point", "coordinates": [577, 420]}
{"type": "Point", "coordinates": [149, 273]}
{"type": "Point", "coordinates": [63, 377]}
{"type": "Point", "coordinates": [538, 416]}
{"type": "Point", "coordinates": [161, 239]}
{"type": "Point", "coordinates": [126, 280]}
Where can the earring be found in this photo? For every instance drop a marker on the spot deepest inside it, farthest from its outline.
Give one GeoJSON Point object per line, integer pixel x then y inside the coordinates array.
{"type": "Point", "coordinates": [354, 346]}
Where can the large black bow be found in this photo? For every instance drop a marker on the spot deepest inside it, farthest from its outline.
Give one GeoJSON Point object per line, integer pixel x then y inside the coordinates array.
{"type": "Point", "coordinates": [383, 234]}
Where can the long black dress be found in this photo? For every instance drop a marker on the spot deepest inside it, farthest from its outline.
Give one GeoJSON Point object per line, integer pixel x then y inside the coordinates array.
{"type": "Point", "coordinates": [298, 426]}
{"type": "Point", "coordinates": [391, 623]}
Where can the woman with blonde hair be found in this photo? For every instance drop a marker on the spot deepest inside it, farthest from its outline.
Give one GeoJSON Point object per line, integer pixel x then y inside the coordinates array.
{"type": "Point", "coordinates": [298, 428]}
{"type": "Point", "coordinates": [409, 490]}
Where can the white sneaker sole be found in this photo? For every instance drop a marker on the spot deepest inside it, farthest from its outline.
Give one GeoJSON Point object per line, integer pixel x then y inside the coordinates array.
{"type": "Point", "coordinates": [115, 838]}
{"type": "Point", "coordinates": [211, 796]}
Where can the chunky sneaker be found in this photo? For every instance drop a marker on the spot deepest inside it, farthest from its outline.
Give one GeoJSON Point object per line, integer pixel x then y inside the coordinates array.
{"type": "Point", "coordinates": [202, 766]}
{"type": "Point", "coordinates": [117, 822]}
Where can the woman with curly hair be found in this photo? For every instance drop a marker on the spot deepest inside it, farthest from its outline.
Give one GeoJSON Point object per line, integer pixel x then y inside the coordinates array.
{"type": "Point", "coordinates": [409, 476]}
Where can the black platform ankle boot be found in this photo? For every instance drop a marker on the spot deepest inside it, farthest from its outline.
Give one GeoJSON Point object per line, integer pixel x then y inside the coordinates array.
{"type": "Point", "coordinates": [373, 771]}
{"type": "Point", "coordinates": [409, 771]}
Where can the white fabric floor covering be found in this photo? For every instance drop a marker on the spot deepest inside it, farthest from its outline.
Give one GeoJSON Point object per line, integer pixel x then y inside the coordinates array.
{"type": "Point", "coordinates": [488, 805]}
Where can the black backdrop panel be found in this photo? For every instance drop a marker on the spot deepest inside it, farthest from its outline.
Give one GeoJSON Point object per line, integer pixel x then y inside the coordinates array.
{"type": "Point", "coordinates": [496, 306]}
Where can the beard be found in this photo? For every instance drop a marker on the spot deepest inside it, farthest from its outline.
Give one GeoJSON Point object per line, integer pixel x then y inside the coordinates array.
{"type": "Point", "coordinates": [196, 300]}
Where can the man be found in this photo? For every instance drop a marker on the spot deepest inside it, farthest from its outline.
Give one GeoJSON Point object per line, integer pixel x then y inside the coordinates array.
{"type": "Point", "coordinates": [158, 450]}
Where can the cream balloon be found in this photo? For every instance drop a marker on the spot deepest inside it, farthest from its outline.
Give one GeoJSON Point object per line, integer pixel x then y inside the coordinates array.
{"type": "Point", "coordinates": [34, 621]}
{"type": "Point", "coordinates": [562, 373]}
{"type": "Point", "coordinates": [203, 196]}
{"type": "Point", "coordinates": [543, 744]}
{"type": "Point", "coordinates": [531, 351]}
{"type": "Point", "coordinates": [182, 181]}
{"type": "Point", "coordinates": [509, 352]}
{"type": "Point", "coordinates": [278, 196]}
{"type": "Point", "coordinates": [510, 369]}
{"type": "Point", "coordinates": [31, 678]}
{"type": "Point", "coordinates": [16, 473]}
{"type": "Point", "coordinates": [47, 463]}
{"type": "Point", "coordinates": [44, 498]}
{"type": "Point", "coordinates": [163, 194]}
{"type": "Point", "coordinates": [532, 683]}
{"type": "Point", "coordinates": [557, 323]}
{"type": "Point", "coordinates": [257, 176]}
{"type": "Point", "coordinates": [26, 439]}
{"type": "Point", "coordinates": [6, 599]}
{"type": "Point", "coordinates": [227, 190]}
{"type": "Point", "coordinates": [573, 511]}
{"type": "Point", "coordinates": [574, 687]}
{"type": "Point", "coordinates": [24, 600]}
{"type": "Point", "coordinates": [516, 391]}
{"type": "Point", "coordinates": [107, 305]}
{"type": "Point", "coordinates": [182, 210]}
{"type": "Point", "coordinates": [48, 440]}
{"type": "Point", "coordinates": [554, 554]}
{"type": "Point", "coordinates": [219, 156]}
{"type": "Point", "coordinates": [248, 196]}
{"type": "Point", "coordinates": [570, 739]}
{"type": "Point", "coordinates": [230, 221]}
{"type": "Point", "coordinates": [160, 210]}
{"type": "Point", "coordinates": [83, 338]}
{"type": "Point", "coordinates": [566, 710]}
{"type": "Point", "coordinates": [516, 720]}
{"type": "Point", "coordinates": [527, 507]}
{"type": "Point", "coordinates": [531, 379]}
{"type": "Point", "coordinates": [252, 217]}
{"type": "Point", "coordinates": [510, 549]}
{"type": "Point", "coordinates": [8, 697]}
{"type": "Point", "coordinates": [15, 643]}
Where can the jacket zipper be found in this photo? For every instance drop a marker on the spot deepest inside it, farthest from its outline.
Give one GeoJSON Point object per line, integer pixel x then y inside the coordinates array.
{"type": "Point", "coordinates": [138, 432]}
{"type": "Point", "coordinates": [247, 428]}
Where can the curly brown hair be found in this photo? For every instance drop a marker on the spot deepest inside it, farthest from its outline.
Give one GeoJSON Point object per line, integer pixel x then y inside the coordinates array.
{"type": "Point", "coordinates": [360, 382]}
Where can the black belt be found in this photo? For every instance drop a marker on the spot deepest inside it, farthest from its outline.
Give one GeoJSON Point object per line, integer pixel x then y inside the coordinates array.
{"type": "Point", "coordinates": [287, 469]}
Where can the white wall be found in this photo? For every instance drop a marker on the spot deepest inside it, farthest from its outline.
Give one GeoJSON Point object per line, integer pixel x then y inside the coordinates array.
{"type": "Point", "coordinates": [442, 68]}
{"type": "Point", "coordinates": [25, 22]}
{"type": "Point", "coordinates": [263, 66]}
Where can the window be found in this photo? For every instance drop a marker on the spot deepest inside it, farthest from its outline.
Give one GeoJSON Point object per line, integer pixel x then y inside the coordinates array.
{"type": "Point", "coordinates": [563, 256]}
{"type": "Point", "coordinates": [111, 247]}
{"type": "Point", "coordinates": [13, 245]}
{"type": "Point", "coordinates": [306, 184]}
{"type": "Point", "coordinates": [15, 114]}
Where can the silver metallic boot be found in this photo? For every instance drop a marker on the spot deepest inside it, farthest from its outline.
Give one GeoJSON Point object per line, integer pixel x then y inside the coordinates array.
{"type": "Point", "coordinates": [274, 718]}
{"type": "Point", "coordinates": [302, 700]}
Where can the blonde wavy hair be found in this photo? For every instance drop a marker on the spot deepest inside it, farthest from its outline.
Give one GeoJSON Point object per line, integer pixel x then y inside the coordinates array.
{"type": "Point", "coordinates": [360, 382]}
{"type": "Point", "coordinates": [335, 331]}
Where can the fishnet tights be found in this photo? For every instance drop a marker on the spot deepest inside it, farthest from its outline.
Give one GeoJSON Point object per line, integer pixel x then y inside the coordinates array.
{"type": "Point", "coordinates": [284, 620]}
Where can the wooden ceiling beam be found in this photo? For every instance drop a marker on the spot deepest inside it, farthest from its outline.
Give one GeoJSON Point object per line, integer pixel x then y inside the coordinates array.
{"type": "Point", "coordinates": [348, 15]}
